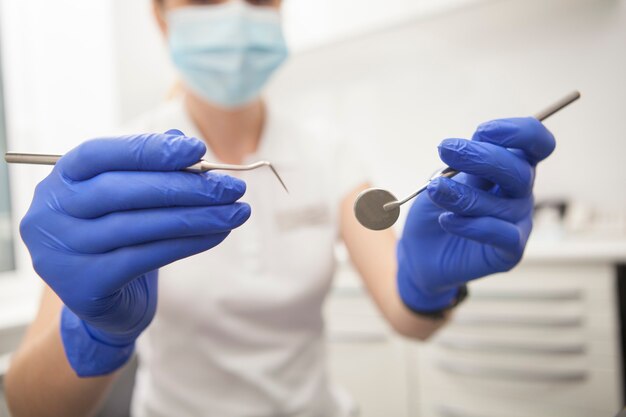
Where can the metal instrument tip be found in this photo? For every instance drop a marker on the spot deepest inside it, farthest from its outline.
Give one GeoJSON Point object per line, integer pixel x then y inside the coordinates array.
{"type": "Point", "coordinates": [269, 164]}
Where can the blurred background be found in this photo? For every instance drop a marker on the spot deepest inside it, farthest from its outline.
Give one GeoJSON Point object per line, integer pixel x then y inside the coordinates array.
{"type": "Point", "coordinates": [396, 76]}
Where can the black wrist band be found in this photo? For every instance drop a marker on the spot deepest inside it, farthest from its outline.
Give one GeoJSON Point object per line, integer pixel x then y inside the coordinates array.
{"type": "Point", "coordinates": [440, 314]}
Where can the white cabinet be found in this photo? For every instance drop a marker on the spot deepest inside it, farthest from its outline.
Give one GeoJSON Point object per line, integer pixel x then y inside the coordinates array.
{"type": "Point", "coordinates": [542, 340]}
{"type": "Point", "coordinates": [365, 358]}
{"type": "Point", "coordinates": [4, 412]}
{"type": "Point", "coordinates": [9, 340]}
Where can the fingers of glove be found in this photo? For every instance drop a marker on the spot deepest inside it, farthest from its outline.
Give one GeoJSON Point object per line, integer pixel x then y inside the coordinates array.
{"type": "Point", "coordinates": [130, 228]}
{"type": "Point", "coordinates": [525, 133]}
{"type": "Point", "coordinates": [148, 152]}
{"type": "Point", "coordinates": [174, 132]}
{"type": "Point", "coordinates": [125, 264]}
{"type": "Point", "coordinates": [492, 162]}
{"type": "Point", "coordinates": [464, 200]}
{"type": "Point", "coordinates": [474, 181]}
{"type": "Point", "coordinates": [487, 230]}
{"type": "Point", "coordinates": [118, 191]}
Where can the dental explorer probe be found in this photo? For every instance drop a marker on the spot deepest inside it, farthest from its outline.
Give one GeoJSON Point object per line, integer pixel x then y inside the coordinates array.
{"type": "Point", "coordinates": [378, 209]}
{"type": "Point", "coordinates": [200, 166]}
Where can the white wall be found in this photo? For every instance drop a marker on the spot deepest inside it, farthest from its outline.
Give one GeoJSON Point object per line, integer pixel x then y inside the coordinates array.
{"type": "Point", "coordinates": [314, 24]}
{"type": "Point", "coordinates": [143, 71]}
{"type": "Point", "coordinates": [398, 93]}
{"type": "Point", "coordinates": [59, 90]}
{"type": "Point", "coordinates": [142, 68]}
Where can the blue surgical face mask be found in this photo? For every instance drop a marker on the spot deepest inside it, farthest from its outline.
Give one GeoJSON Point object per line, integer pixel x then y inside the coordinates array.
{"type": "Point", "coordinates": [226, 53]}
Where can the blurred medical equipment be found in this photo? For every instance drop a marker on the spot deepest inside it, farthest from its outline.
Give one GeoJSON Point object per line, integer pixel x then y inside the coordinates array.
{"type": "Point", "coordinates": [200, 166]}
{"type": "Point", "coordinates": [378, 209]}
{"type": "Point", "coordinates": [555, 218]}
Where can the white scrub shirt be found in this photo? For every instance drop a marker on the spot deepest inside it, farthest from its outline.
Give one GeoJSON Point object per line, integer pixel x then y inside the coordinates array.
{"type": "Point", "coordinates": [238, 329]}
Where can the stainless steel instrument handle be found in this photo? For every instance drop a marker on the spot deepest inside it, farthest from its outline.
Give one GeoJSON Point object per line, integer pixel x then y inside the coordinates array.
{"type": "Point", "coordinates": [450, 172]}
{"type": "Point", "coordinates": [31, 158]}
{"type": "Point", "coordinates": [200, 166]}
{"type": "Point", "coordinates": [541, 116]}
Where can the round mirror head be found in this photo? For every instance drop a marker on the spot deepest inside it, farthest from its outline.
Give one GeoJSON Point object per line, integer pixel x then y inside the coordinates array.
{"type": "Point", "coordinates": [369, 209]}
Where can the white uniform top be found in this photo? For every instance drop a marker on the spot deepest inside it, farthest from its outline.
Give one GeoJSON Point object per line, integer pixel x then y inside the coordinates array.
{"type": "Point", "coordinates": [239, 329]}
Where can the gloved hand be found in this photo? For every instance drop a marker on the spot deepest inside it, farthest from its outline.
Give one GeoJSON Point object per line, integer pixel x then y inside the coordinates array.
{"type": "Point", "coordinates": [477, 223]}
{"type": "Point", "coordinates": [109, 215]}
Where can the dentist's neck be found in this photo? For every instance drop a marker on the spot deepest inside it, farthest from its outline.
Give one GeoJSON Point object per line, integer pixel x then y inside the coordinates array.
{"type": "Point", "coordinates": [230, 134]}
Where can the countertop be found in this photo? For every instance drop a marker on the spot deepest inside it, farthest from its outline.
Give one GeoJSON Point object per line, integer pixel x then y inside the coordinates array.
{"type": "Point", "coordinates": [577, 249]}
{"type": "Point", "coordinates": [19, 295]}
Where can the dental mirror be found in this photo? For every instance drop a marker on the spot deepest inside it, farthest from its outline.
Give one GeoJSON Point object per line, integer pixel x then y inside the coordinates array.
{"type": "Point", "coordinates": [378, 209]}
{"type": "Point", "coordinates": [369, 209]}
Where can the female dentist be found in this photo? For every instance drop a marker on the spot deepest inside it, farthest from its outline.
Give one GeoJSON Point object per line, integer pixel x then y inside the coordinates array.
{"type": "Point", "coordinates": [239, 330]}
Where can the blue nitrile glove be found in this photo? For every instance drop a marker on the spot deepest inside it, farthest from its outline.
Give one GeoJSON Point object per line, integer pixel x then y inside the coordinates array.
{"type": "Point", "coordinates": [109, 215]}
{"type": "Point", "coordinates": [477, 223]}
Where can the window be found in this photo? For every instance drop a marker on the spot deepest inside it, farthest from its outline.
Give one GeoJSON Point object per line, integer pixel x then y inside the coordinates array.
{"type": "Point", "coordinates": [6, 242]}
